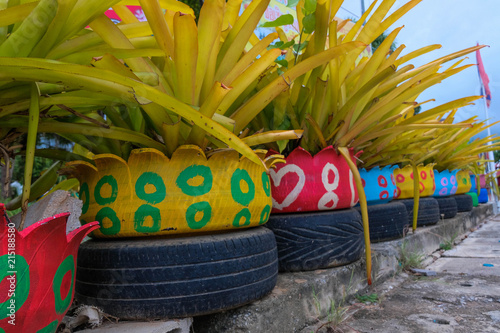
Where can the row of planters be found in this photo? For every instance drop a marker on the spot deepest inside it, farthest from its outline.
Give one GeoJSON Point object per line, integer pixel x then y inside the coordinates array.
{"type": "Point", "coordinates": [315, 240]}
{"type": "Point", "coordinates": [153, 108]}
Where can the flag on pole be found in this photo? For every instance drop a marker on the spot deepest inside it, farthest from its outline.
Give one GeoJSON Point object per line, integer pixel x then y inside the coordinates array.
{"type": "Point", "coordinates": [485, 87]}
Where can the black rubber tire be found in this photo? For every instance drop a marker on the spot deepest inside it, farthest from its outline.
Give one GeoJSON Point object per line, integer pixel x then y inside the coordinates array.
{"type": "Point", "coordinates": [447, 207]}
{"type": "Point", "coordinates": [428, 211]}
{"type": "Point", "coordinates": [177, 277]}
{"type": "Point", "coordinates": [309, 241]}
{"type": "Point", "coordinates": [387, 221]}
{"type": "Point", "coordinates": [464, 202]}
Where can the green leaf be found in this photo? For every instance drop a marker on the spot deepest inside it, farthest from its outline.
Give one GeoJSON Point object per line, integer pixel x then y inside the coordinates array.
{"type": "Point", "coordinates": [281, 45]}
{"type": "Point", "coordinates": [276, 45]}
{"type": "Point", "coordinates": [283, 63]}
{"type": "Point", "coordinates": [300, 47]}
{"type": "Point", "coordinates": [282, 20]}
{"type": "Point", "coordinates": [292, 3]}
{"type": "Point", "coordinates": [310, 6]}
{"type": "Point", "coordinates": [282, 144]}
{"type": "Point", "coordinates": [309, 22]}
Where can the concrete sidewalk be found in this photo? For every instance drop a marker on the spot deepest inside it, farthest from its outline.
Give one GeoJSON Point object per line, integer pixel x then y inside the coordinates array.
{"type": "Point", "coordinates": [463, 296]}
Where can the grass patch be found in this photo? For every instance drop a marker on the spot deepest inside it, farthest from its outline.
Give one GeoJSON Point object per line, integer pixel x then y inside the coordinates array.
{"type": "Point", "coordinates": [371, 298]}
{"type": "Point", "coordinates": [409, 258]}
{"type": "Point", "coordinates": [448, 244]}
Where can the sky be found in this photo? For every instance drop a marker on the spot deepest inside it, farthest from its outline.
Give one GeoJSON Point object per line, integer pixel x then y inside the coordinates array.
{"type": "Point", "coordinates": [456, 25]}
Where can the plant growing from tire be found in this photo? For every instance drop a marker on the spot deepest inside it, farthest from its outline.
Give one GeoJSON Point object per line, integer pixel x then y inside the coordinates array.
{"type": "Point", "coordinates": [350, 105]}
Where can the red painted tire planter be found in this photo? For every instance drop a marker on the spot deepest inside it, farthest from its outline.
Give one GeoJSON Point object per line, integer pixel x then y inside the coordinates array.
{"type": "Point", "coordinates": [42, 262]}
{"type": "Point", "coordinates": [312, 183]}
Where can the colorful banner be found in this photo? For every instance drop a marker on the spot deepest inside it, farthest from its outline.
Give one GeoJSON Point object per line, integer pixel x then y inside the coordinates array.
{"type": "Point", "coordinates": [485, 81]}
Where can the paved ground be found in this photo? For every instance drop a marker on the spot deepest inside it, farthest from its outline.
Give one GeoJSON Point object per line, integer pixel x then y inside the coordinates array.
{"type": "Point", "coordinates": [463, 296]}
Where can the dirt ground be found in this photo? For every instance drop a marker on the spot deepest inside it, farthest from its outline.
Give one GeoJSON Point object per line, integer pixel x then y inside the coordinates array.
{"type": "Point", "coordinates": [463, 296]}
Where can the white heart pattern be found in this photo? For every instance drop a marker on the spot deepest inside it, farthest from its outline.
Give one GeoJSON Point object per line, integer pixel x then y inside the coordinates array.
{"type": "Point", "coordinates": [278, 176]}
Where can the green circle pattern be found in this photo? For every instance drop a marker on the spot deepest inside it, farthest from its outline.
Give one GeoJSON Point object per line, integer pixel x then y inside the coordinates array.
{"type": "Point", "coordinates": [266, 184]}
{"type": "Point", "coordinates": [110, 214]}
{"type": "Point", "coordinates": [67, 265]}
{"type": "Point", "coordinates": [84, 190]}
{"type": "Point", "coordinates": [191, 172]}
{"type": "Point", "coordinates": [202, 206]}
{"type": "Point", "coordinates": [109, 179]}
{"type": "Point", "coordinates": [155, 180]}
{"type": "Point", "coordinates": [264, 216]}
{"type": "Point", "coordinates": [238, 195]}
{"type": "Point", "coordinates": [244, 213]}
{"type": "Point", "coordinates": [50, 328]}
{"type": "Point", "coordinates": [140, 216]}
{"type": "Point", "coordinates": [22, 284]}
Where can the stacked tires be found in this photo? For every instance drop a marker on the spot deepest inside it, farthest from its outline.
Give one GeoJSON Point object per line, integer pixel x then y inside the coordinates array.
{"type": "Point", "coordinates": [177, 277]}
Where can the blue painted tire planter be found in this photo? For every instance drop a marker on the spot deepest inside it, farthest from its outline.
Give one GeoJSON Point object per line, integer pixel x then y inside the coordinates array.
{"type": "Point", "coordinates": [151, 278]}
{"type": "Point", "coordinates": [315, 240]}
{"type": "Point", "coordinates": [428, 211]}
{"type": "Point", "coordinates": [387, 221]}
{"type": "Point", "coordinates": [446, 183]}
{"type": "Point", "coordinates": [483, 196]}
{"type": "Point", "coordinates": [379, 184]}
{"type": "Point", "coordinates": [464, 202]}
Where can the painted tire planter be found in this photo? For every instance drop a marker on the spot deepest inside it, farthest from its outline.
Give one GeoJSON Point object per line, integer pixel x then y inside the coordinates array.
{"type": "Point", "coordinates": [428, 211]}
{"type": "Point", "coordinates": [318, 239]}
{"type": "Point", "coordinates": [37, 273]}
{"type": "Point", "coordinates": [446, 183]}
{"type": "Point", "coordinates": [463, 182]}
{"type": "Point", "coordinates": [154, 278]}
{"type": "Point", "coordinates": [404, 181]}
{"type": "Point", "coordinates": [152, 195]}
{"type": "Point", "coordinates": [447, 207]}
{"type": "Point", "coordinates": [483, 196]}
{"type": "Point", "coordinates": [387, 221]}
{"type": "Point", "coordinates": [379, 184]}
{"type": "Point", "coordinates": [474, 180]}
{"type": "Point", "coordinates": [464, 202]}
{"type": "Point", "coordinates": [307, 183]}
{"type": "Point", "coordinates": [475, 201]}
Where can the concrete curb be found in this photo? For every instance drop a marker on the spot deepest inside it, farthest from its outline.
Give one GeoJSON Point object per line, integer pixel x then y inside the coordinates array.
{"type": "Point", "coordinates": [299, 299]}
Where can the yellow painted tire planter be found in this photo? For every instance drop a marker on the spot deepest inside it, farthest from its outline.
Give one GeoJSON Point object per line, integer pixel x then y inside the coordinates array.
{"type": "Point", "coordinates": [404, 181]}
{"type": "Point", "coordinates": [154, 195]}
{"type": "Point", "coordinates": [463, 182]}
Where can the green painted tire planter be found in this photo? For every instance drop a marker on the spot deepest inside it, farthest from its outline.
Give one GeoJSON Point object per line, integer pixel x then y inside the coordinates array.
{"type": "Point", "coordinates": [475, 201]}
{"type": "Point", "coordinates": [152, 195]}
